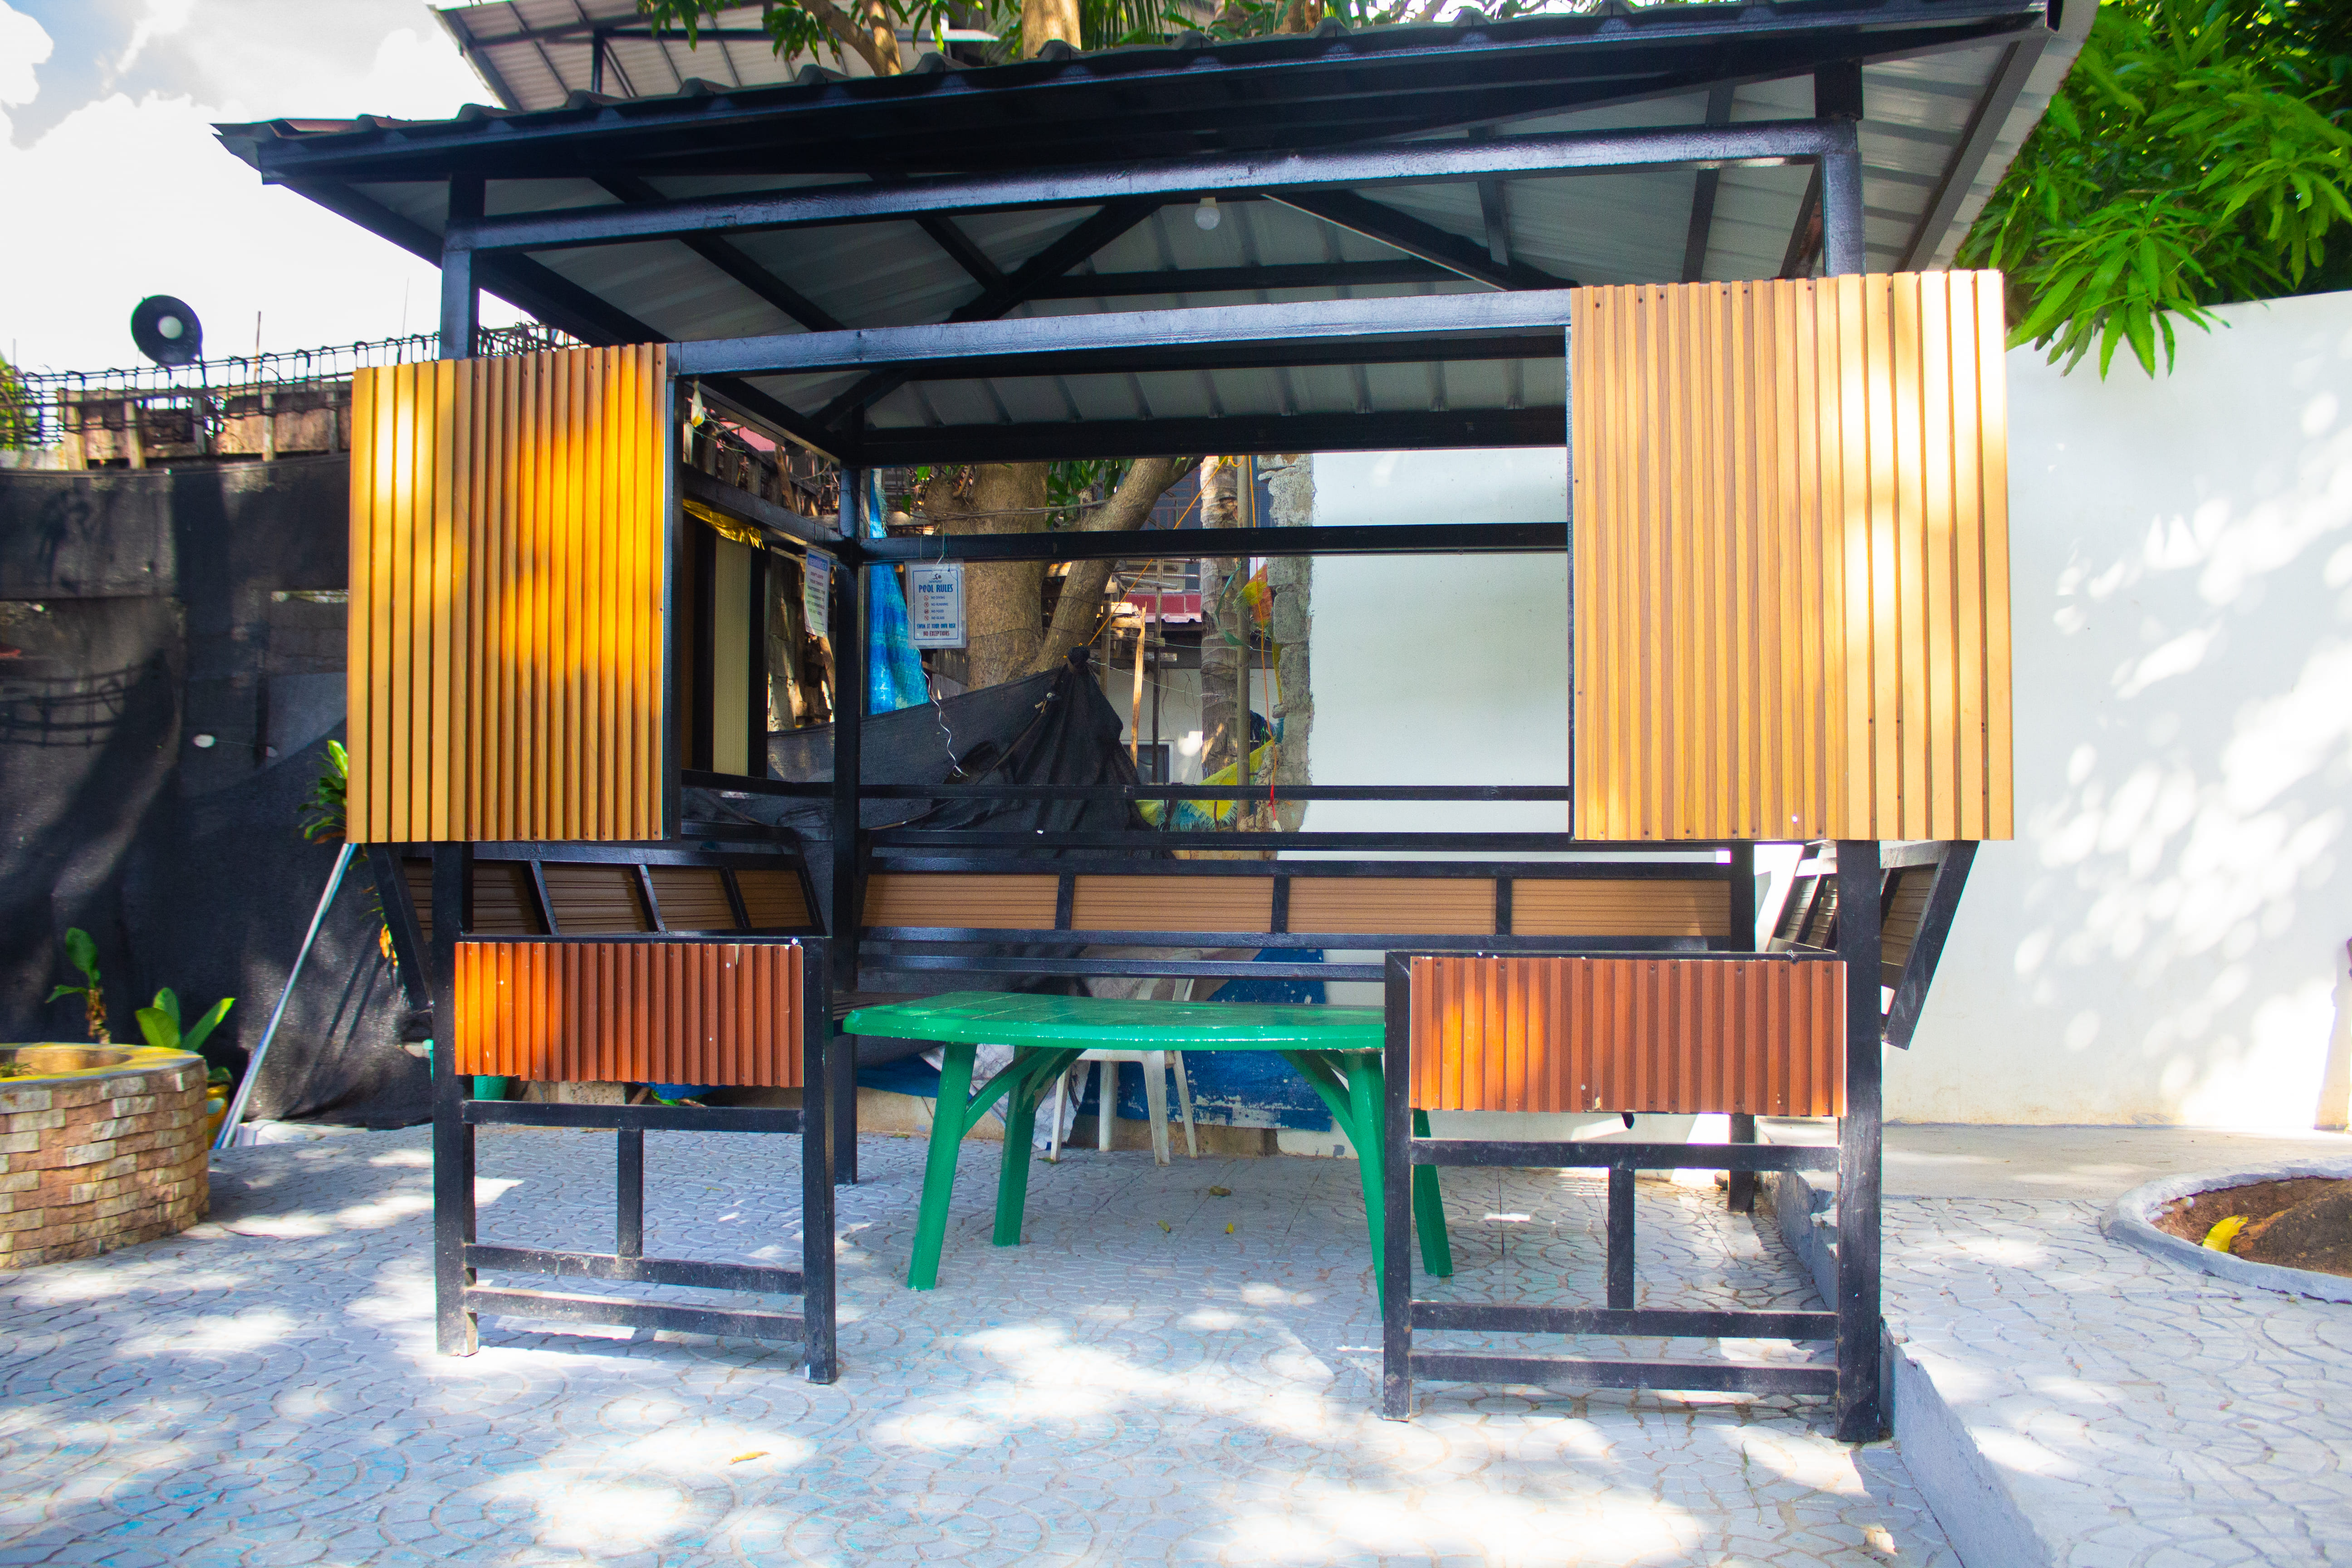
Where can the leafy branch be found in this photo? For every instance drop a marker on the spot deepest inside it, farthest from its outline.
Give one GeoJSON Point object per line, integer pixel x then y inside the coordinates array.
{"type": "Point", "coordinates": [2194, 156]}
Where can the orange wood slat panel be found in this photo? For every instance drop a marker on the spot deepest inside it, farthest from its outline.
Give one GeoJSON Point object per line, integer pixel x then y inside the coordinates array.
{"type": "Point", "coordinates": [1762, 1037]}
{"type": "Point", "coordinates": [1544, 906]}
{"type": "Point", "coordinates": [1423, 906]}
{"type": "Point", "coordinates": [772, 899]}
{"type": "Point", "coordinates": [1173, 904]}
{"type": "Point", "coordinates": [714, 1012]}
{"type": "Point", "coordinates": [594, 900]}
{"type": "Point", "coordinates": [1791, 575]}
{"type": "Point", "coordinates": [979, 899]}
{"type": "Point", "coordinates": [692, 898]}
{"type": "Point", "coordinates": [508, 542]}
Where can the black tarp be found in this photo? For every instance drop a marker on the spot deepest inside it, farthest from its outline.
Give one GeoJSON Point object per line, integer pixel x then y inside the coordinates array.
{"type": "Point", "coordinates": [1052, 728]}
{"type": "Point", "coordinates": [171, 669]}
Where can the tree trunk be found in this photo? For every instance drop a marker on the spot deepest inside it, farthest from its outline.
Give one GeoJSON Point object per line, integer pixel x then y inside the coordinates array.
{"type": "Point", "coordinates": [1042, 20]}
{"type": "Point", "coordinates": [1221, 623]}
{"type": "Point", "coordinates": [1078, 614]}
{"type": "Point", "coordinates": [1000, 598]}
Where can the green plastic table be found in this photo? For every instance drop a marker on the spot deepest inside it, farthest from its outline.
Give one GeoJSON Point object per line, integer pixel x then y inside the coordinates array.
{"type": "Point", "coordinates": [1336, 1049]}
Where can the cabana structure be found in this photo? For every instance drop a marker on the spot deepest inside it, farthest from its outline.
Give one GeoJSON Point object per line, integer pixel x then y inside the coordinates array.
{"type": "Point", "coordinates": [1685, 243]}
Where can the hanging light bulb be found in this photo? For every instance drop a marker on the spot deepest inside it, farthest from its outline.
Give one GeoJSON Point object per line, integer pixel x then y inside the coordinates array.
{"type": "Point", "coordinates": [1206, 215]}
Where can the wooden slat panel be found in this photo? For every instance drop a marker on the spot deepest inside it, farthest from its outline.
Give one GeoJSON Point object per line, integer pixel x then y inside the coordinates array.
{"type": "Point", "coordinates": [1559, 907]}
{"type": "Point", "coordinates": [710, 1013]}
{"type": "Point", "coordinates": [692, 898]}
{"type": "Point", "coordinates": [506, 619]}
{"type": "Point", "coordinates": [503, 905]}
{"type": "Point", "coordinates": [1905, 906]}
{"type": "Point", "coordinates": [969, 899]}
{"type": "Point", "coordinates": [594, 900]}
{"type": "Point", "coordinates": [1763, 1036]}
{"type": "Point", "coordinates": [1429, 906]}
{"type": "Point", "coordinates": [1174, 903]}
{"type": "Point", "coordinates": [1790, 568]}
{"type": "Point", "coordinates": [419, 874]}
{"type": "Point", "coordinates": [773, 899]}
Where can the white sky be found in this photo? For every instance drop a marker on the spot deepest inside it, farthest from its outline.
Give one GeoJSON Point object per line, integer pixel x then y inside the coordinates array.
{"type": "Point", "coordinates": [115, 188]}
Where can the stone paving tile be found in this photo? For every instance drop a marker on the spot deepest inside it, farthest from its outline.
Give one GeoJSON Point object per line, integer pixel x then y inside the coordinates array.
{"type": "Point", "coordinates": [262, 1390]}
{"type": "Point", "coordinates": [2142, 1414]}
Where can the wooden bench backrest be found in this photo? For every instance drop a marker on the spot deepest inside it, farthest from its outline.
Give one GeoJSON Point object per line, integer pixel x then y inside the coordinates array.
{"type": "Point", "coordinates": [1763, 1036]}
{"type": "Point", "coordinates": [726, 1012]}
{"type": "Point", "coordinates": [1302, 902]}
{"type": "Point", "coordinates": [562, 889]}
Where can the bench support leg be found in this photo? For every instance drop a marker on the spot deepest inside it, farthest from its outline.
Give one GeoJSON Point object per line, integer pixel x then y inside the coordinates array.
{"type": "Point", "coordinates": [948, 1123]}
{"type": "Point", "coordinates": [456, 1330]}
{"type": "Point", "coordinates": [1366, 1096]}
{"type": "Point", "coordinates": [1741, 1191]}
{"type": "Point", "coordinates": [629, 1197]}
{"type": "Point", "coordinates": [845, 1120]}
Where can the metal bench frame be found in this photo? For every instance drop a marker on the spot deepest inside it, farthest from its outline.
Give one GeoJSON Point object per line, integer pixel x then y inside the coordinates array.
{"type": "Point", "coordinates": [1853, 1321]}
{"type": "Point", "coordinates": [458, 1255]}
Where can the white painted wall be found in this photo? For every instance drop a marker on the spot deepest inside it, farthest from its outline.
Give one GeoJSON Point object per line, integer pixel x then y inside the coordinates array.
{"type": "Point", "coordinates": [2165, 941]}
{"type": "Point", "coordinates": [1440, 669]}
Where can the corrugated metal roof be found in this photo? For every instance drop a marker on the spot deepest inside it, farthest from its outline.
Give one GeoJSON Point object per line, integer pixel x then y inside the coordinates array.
{"type": "Point", "coordinates": [1945, 105]}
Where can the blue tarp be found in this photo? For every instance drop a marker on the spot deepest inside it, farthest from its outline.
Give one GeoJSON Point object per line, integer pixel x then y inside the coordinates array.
{"type": "Point", "coordinates": [894, 670]}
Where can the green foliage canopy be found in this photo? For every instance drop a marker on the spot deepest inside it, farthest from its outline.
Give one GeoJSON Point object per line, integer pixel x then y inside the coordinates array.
{"type": "Point", "coordinates": [2196, 156]}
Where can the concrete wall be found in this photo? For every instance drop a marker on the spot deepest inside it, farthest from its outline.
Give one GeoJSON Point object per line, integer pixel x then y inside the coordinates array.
{"type": "Point", "coordinates": [2165, 941]}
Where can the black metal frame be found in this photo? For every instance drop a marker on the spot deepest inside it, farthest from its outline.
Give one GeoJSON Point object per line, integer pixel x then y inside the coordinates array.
{"type": "Point", "coordinates": [458, 1256]}
{"type": "Point", "coordinates": [1816, 884]}
{"type": "Point", "coordinates": [1309, 123]}
{"type": "Point", "coordinates": [1853, 1321]}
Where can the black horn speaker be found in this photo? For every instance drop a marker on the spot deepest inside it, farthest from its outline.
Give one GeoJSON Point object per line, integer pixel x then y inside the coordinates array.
{"type": "Point", "coordinates": [166, 331]}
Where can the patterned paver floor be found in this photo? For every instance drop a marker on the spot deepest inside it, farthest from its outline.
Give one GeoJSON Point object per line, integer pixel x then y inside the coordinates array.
{"type": "Point", "coordinates": [2141, 1414]}
{"type": "Point", "coordinates": [1161, 1375]}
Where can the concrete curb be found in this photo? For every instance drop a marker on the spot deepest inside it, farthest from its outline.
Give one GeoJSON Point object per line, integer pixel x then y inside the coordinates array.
{"type": "Point", "coordinates": [2129, 1220]}
{"type": "Point", "coordinates": [1984, 1522]}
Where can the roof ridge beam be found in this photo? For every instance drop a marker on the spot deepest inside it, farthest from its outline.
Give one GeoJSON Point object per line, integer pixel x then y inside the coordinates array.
{"type": "Point", "coordinates": [1419, 163]}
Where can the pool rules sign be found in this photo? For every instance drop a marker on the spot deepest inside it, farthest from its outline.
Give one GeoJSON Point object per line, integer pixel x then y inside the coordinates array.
{"type": "Point", "coordinates": [935, 603]}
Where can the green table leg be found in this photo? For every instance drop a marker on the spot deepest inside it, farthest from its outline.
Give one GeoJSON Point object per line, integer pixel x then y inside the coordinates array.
{"type": "Point", "coordinates": [1364, 1100]}
{"type": "Point", "coordinates": [1037, 1068]}
{"type": "Point", "coordinates": [1429, 1212]}
{"type": "Point", "coordinates": [949, 1120]}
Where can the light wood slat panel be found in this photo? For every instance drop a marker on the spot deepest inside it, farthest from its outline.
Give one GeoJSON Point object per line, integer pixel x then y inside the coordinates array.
{"type": "Point", "coordinates": [1173, 904]}
{"type": "Point", "coordinates": [1763, 1036]}
{"type": "Point", "coordinates": [506, 620]}
{"type": "Point", "coordinates": [1559, 907]}
{"type": "Point", "coordinates": [1792, 565]}
{"type": "Point", "coordinates": [692, 898]}
{"type": "Point", "coordinates": [711, 1013]}
{"type": "Point", "coordinates": [968, 899]}
{"type": "Point", "coordinates": [773, 900]}
{"type": "Point", "coordinates": [1425, 906]}
{"type": "Point", "coordinates": [593, 900]}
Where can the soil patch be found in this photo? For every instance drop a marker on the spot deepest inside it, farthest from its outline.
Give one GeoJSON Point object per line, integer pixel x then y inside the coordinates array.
{"type": "Point", "coordinates": [2302, 1223]}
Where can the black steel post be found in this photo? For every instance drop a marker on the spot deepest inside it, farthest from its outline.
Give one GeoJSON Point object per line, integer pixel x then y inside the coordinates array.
{"type": "Point", "coordinates": [1739, 1189]}
{"type": "Point", "coordinates": [1621, 1236]}
{"type": "Point", "coordinates": [822, 1059]}
{"type": "Point", "coordinates": [848, 717]}
{"type": "Point", "coordinates": [629, 1194]}
{"type": "Point", "coordinates": [1396, 1192]}
{"type": "Point", "coordinates": [461, 298]}
{"type": "Point", "coordinates": [453, 1135]}
{"type": "Point", "coordinates": [1859, 1411]}
{"type": "Point", "coordinates": [1841, 231]}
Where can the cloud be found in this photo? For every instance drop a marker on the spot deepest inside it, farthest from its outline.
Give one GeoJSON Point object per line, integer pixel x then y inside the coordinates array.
{"type": "Point", "coordinates": [176, 213]}
{"type": "Point", "coordinates": [23, 44]}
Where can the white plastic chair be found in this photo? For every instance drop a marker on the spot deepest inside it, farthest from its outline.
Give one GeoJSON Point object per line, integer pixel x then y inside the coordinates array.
{"type": "Point", "coordinates": [1155, 1066]}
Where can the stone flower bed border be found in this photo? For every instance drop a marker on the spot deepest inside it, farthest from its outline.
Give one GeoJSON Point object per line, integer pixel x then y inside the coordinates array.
{"type": "Point", "coordinates": [2131, 1219]}
{"type": "Point", "coordinates": [96, 1159]}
